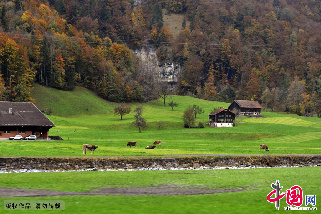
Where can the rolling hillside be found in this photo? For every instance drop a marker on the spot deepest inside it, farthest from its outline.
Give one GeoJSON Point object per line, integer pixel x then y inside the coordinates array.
{"type": "Point", "coordinates": [283, 133]}
{"type": "Point", "coordinates": [81, 101]}
{"type": "Point", "coordinates": [76, 103]}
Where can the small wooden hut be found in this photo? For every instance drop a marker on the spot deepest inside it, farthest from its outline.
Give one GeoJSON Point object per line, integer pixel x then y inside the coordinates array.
{"type": "Point", "coordinates": [246, 108]}
{"type": "Point", "coordinates": [222, 118]}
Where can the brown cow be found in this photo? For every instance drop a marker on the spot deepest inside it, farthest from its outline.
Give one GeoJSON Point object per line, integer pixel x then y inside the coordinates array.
{"type": "Point", "coordinates": [89, 147]}
{"type": "Point", "coordinates": [262, 146]}
{"type": "Point", "coordinates": [132, 143]}
{"type": "Point", "coordinates": [150, 147]}
{"type": "Point", "coordinates": [157, 142]}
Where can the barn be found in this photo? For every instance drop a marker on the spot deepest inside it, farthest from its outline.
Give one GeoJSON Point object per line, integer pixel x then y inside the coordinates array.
{"type": "Point", "coordinates": [23, 118]}
{"type": "Point", "coordinates": [222, 118]}
{"type": "Point", "coordinates": [246, 108]}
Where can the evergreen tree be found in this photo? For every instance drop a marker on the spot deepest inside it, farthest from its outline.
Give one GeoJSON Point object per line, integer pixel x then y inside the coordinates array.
{"type": "Point", "coordinates": [3, 18]}
{"type": "Point", "coordinates": [157, 17]}
{"type": "Point", "coordinates": [44, 77]}
{"type": "Point", "coordinates": [18, 5]}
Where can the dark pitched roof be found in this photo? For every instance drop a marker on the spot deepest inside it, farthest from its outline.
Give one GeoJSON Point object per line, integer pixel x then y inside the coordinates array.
{"type": "Point", "coordinates": [22, 114]}
{"type": "Point", "coordinates": [217, 111]}
{"type": "Point", "coordinates": [248, 104]}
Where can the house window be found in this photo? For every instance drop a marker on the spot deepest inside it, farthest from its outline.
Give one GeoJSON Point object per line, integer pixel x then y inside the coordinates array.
{"type": "Point", "coordinates": [22, 132]}
{"type": "Point", "coordinates": [6, 132]}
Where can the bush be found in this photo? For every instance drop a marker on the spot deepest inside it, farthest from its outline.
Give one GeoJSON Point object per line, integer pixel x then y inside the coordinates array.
{"type": "Point", "coordinates": [188, 117]}
{"type": "Point", "coordinates": [201, 125]}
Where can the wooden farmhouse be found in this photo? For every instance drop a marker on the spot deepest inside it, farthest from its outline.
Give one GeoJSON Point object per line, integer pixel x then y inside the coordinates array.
{"type": "Point", "coordinates": [23, 118]}
{"type": "Point", "coordinates": [246, 108]}
{"type": "Point", "coordinates": [222, 118]}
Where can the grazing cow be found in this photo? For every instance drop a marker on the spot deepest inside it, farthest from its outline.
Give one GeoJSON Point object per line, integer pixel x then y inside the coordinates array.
{"type": "Point", "coordinates": [89, 147]}
{"type": "Point", "coordinates": [150, 147]}
{"type": "Point", "coordinates": [132, 143]}
{"type": "Point", "coordinates": [157, 142]}
{"type": "Point", "coordinates": [262, 146]}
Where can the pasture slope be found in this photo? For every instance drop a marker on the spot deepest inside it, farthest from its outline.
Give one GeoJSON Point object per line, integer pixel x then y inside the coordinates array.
{"type": "Point", "coordinates": [81, 117]}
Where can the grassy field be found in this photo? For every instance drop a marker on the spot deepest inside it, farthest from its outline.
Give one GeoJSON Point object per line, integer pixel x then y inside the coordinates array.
{"type": "Point", "coordinates": [81, 117]}
{"type": "Point", "coordinates": [283, 133]}
{"type": "Point", "coordinates": [78, 102]}
{"type": "Point", "coordinates": [251, 188]}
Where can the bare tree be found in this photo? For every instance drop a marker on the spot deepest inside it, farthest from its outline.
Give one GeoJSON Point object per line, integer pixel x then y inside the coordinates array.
{"type": "Point", "coordinates": [164, 91]}
{"type": "Point", "coordinates": [294, 98]}
{"type": "Point", "coordinates": [139, 122]}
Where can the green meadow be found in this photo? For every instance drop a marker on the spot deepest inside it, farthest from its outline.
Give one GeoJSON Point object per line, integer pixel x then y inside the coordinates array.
{"type": "Point", "coordinates": [83, 118]}
{"type": "Point", "coordinates": [250, 186]}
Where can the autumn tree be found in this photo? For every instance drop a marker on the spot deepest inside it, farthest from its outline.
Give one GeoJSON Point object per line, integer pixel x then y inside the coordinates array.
{"type": "Point", "coordinates": [181, 46]}
{"type": "Point", "coordinates": [122, 110]}
{"type": "Point", "coordinates": [253, 87]}
{"type": "Point", "coordinates": [176, 6]}
{"type": "Point", "coordinates": [137, 92]}
{"type": "Point", "coordinates": [210, 92]}
{"type": "Point", "coordinates": [316, 97]}
{"type": "Point", "coordinates": [192, 74]}
{"type": "Point", "coordinates": [306, 105]}
{"type": "Point", "coordinates": [316, 104]}
{"type": "Point", "coordinates": [15, 70]}
{"type": "Point", "coordinates": [2, 88]}
{"type": "Point", "coordinates": [161, 36]}
{"type": "Point", "coordinates": [58, 71]}
{"type": "Point", "coordinates": [294, 98]}
{"type": "Point", "coordinates": [271, 98]}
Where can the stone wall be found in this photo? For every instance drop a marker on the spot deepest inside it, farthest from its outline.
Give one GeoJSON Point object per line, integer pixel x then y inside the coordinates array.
{"type": "Point", "coordinates": [83, 163]}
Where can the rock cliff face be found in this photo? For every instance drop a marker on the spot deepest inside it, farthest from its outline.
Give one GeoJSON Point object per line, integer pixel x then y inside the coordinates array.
{"type": "Point", "coordinates": [85, 163]}
{"type": "Point", "coordinates": [166, 72]}
{"type": "Point", "coordinates": [149, 60]}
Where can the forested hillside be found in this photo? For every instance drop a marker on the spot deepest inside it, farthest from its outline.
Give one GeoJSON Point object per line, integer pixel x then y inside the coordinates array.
{"type": "Point", "coordinates": [266, 50]}
{"type": "Point", "coordinates": [38, 44]}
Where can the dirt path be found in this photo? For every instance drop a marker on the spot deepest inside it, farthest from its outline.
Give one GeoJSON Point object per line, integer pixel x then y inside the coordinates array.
{"type": "Point", "coordinates": [157, 190]}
